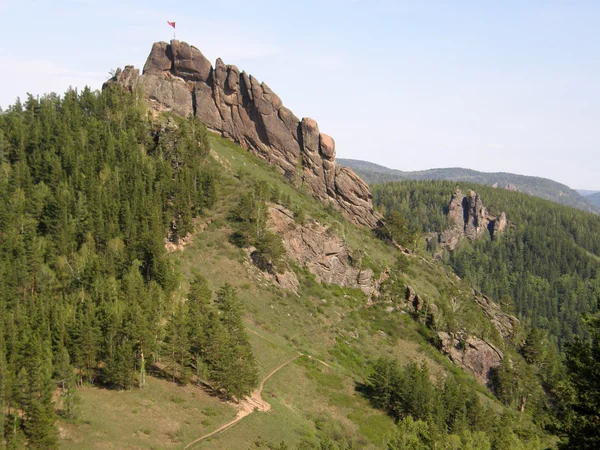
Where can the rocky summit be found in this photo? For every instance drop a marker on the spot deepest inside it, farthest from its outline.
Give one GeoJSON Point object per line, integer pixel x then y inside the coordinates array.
{"type": "Point", "coordinates": [178, 78]}
{"type": "Point", "coordinates": [468, 218]}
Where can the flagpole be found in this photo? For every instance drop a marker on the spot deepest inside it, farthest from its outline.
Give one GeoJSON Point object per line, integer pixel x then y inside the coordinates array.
{"type": "Point", "coordinates": [173, 24]}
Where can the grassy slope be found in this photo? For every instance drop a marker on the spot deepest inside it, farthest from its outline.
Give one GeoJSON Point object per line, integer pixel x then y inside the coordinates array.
{"type": "Point", "coordinates": [326, 322]}
{"type": "Point", "coordinates": [539, 187]}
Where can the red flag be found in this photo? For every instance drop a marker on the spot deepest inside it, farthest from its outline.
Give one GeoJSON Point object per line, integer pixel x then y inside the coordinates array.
{"type": "Point", "coordinates": [171, 23]}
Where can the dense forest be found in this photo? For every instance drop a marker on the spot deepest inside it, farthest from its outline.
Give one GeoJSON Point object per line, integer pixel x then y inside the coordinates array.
{"type": "Point", "coordinates": [90, 188]}
{"type": "Point", "coordinates": [443, 413]}
{"type": "Point", "coordinates": [546, 266]}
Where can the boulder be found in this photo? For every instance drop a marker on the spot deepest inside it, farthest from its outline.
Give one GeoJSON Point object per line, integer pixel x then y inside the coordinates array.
{"type": "Point", "coordinates": [188, 62]}
{"type": "Point", "coordinates": [127, 78]}
{"type": "Point", "coordinates": [504, 323]}
{"type": "Point", "coordinates": [499, 224]}
{"type": "Point", "coordinates": [288, 280]}
{"type": "Point", "coordinates": [167, 95]}
{"type": "Point", "coordinates": [327, 146]}
{"type": "Point", "coordinates": [159, 60]}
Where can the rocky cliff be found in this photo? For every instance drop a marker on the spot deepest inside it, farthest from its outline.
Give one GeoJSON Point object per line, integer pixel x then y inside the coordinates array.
{"type": "Point", "coordinates": [178, 78]}
{"type": "Point", "coordinates": [468, 218]}
{"type": "Point", "coordinates": [472, 354]}
{"type": "Point", "coordinates": [475, 354]}
{"type": "Point", "coordinates": [322, 252]}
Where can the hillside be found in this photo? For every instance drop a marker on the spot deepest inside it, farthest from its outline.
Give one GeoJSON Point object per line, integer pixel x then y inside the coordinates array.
{"type": "Point", "coordinates": [594, 198]}
{"type": "Point", "coordinates": [149, 300]}
{"type": "Point", "coordinates": [586, 192]}
{"type": "Point", "coordinates": [546, 263]}
{"type": "Point", "coordinates": [539, 187]}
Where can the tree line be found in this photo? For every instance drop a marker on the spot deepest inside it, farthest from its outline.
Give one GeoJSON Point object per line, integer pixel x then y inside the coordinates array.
{"type": "Point", "coordinates": [90, 188]}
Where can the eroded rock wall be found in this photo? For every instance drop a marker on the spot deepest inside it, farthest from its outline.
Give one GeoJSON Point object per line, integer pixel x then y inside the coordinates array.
{"type": "Point", "coordinates": [321, 251]}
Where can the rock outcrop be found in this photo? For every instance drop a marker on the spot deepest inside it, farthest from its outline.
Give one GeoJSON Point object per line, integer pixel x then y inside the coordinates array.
{"type": "Point", "coordinates": [508, 187]}
{"type": "Point", "coordinates": [504, 323]}
{"type": "Point", "coordinates": [474, 354]}
{"type": "Point", "coordinates": [468, 218]}
{"type": "Point", "coordinates": [471, 353]}
{"type": "Point", "coordinates": [321, 251]}
{"type": "Point", "coordinates": [178, 78]}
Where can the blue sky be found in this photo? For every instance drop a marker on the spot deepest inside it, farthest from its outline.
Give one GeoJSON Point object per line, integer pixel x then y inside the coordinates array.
{"type": "Point", "coordinates": [495, 86]}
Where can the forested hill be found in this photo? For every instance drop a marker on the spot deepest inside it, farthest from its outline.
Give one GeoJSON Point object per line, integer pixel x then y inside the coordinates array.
{"type": "Point", "coordinates": [594, 199]}
{"type": "Point", "coordinates": [540, 187]}
{"type": "Point", "coordinates": [89, 190]}
{"type": "Point", "coordinates": [547, 263]}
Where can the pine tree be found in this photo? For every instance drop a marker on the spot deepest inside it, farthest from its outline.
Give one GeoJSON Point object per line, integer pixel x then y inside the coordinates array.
{"type": "Point", "coordinates": [241, 371]}
{"type": "Point", "coordinates": [411, 434]}
{"type": "Point", "coordinates": [67, 380]}
{"type": "Point", "coordinates": [199, 308]}
{"type": "Point", "coordinates": [3, 379]}
{"type": "Point", "coordinates": [383, 382]}
{"type": "Point", "coordinates": [37, 392]}
{"type": "Point", "coordinates": [582, 424]}
{"type": "Point", "coordinates": [177, 342]}
{"type": "Point", "coordinates": [230, 310]}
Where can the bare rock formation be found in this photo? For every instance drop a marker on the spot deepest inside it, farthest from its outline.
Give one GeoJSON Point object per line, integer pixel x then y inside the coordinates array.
{"type": "Point", "coordinates": [178, 78]}
{"type": "Point", "coordinates": [508, 187]}
{"type": "Point", "coordinates": [321, 251]}
{"type": "Point", "coordinates": [471, 354]}
{"type": "Point", "coordinates": [504, 323]}
{"type": "Point", "coordinates": [469, 218]}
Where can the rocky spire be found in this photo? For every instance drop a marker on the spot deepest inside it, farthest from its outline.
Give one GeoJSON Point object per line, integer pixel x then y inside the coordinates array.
{"type": "Point", "coordinates": [469, 218]}
{"type": "Point", "coordinates": [178, 78]}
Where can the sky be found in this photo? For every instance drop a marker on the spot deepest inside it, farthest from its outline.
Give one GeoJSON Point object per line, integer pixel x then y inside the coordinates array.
{"type": "Point", "coordinates": [509, 86]}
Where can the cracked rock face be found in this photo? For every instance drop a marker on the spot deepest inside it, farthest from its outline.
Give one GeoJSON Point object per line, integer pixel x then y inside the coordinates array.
{"type": "Point", "coordinates": [322, 252]}
{"type": "Point", "coordinates": [178, 78]}
{"type": "Point", "coordinates": [472, 354]}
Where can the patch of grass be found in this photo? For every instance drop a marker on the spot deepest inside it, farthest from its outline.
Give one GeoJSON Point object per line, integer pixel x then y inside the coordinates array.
{"type": "Point", "coordinates": [349, 357]}
{"type": "Point", "coordinates": [146, 417]}
{"type": "Point", "coordinates": [177, 399]}
{"type": "Point", "coordinates": [375, 427]}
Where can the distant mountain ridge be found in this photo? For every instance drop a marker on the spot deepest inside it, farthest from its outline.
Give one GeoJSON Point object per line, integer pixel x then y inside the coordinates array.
{"type": "Point", "coordinates": [586, 192]}
{"type": "Point", "coordinates": [537, 186]}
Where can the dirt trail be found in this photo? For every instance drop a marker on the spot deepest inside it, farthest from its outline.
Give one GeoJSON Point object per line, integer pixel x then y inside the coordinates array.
{"type": "Point", "coordinates": [270, 341]}
{"type": "Point", "coordinates": [248, 405]}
